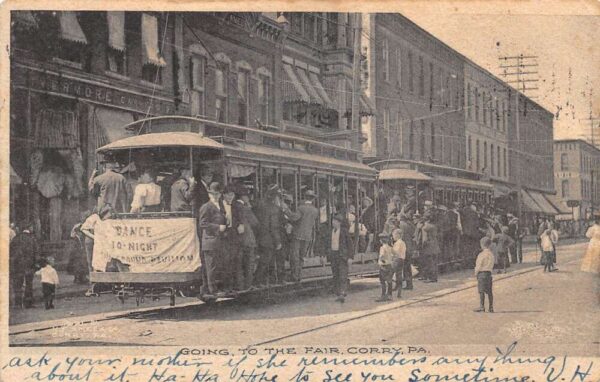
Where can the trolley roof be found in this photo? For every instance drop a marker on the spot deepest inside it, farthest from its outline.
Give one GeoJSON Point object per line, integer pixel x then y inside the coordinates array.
{"type": "Point", "coordinates": [402, 173]}
{"type": "Point", "coordinates": [173, 139]}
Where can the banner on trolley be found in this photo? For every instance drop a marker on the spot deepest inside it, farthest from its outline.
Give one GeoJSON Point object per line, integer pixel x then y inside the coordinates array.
{"type": "Point", "coordinates": [147, 245]}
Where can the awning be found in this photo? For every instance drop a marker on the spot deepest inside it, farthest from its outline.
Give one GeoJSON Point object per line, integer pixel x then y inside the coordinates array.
{"type": "Point", "coordinates": [56, 129]}
{"type": "Point", "coordinates": [546, 207]}
{"type": "Point", "coordinates": [180, 139]}
{"type": "Point", "coordinates": [366, 106]}
{"type": "Point", "coordinates": [321, 90]}
{"type": "Point", "coordinates": [293, 90]}
{"type": "Point", "coordinates": [116, 30]}
{"type": "Point", "coordinates": [14, 177]}
{"type": "Point", "coordinates": [295, 158]}
{"type": "Point", "coordinates": [402, 174]}
{"type": "Point", "coordinates": [109, 125]}
{"type": "Point", "coordinates": [312, 92]}
{"type": "Point", "coordinates": [559, 204]}
{"type": "Point", "coordinates": [453, 181]}
{"type": "Point", "coordinates": [529, 203]}
{"type": "Point", "coordinates": [70, 28]}
{"type": "Point", "coordinates": [150, 50]}
{"type": "Point", "coordinates": [24, 18]}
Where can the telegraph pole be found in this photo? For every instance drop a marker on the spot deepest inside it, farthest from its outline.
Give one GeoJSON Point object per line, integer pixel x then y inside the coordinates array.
{"type": "Point", "coordinates": [356, 125]}
{"type": "Point", "coordinates": [519, 70]}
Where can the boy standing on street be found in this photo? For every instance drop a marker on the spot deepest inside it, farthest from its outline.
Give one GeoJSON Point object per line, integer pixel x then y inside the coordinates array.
{"type": "Point", "coordinates": [483, 271]}
{"type": "Point", "coordinates": [49, 281]}
{"type": "Point", "coordinates": [399, 250]}
{"type": "Point", "coordinates": [386, 270]}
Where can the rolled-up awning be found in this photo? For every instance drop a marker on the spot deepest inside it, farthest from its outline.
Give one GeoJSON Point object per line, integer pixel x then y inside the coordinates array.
{"type": "Point", "coordinates": [56, 129]}
{"type": "Point", "coordinates": [545, 206]}
{"type": "Point", "coordinates": [70, 28]}
{"type": "Point", "coordinates": [109, 125]}
{"type": "Point", "coordinates": [293, 90]}
{"type": "Point", "coordinates": [501, 190]}
{"type": "Point", "coordinates": [150, 49]}
{"type": "Point", "coordinates": [365, 105]}
{"type": "Point", "coordinates": [402, 174]}
{"type": "Point", "coordinates": [116, 30]}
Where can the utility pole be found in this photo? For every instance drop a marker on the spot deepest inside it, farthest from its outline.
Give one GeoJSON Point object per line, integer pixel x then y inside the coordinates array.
{"type": "Point", "coordinates": [519, 71]}
{"type": "Point", "coordinates": [356, 125]}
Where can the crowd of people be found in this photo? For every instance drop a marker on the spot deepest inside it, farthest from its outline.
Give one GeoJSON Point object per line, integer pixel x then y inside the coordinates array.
{"type": "Point", "coordinates": [245, 243]}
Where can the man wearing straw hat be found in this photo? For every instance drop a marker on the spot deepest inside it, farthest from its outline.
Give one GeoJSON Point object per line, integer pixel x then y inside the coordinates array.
{"type": "Point", "coordinates": [305, 221]}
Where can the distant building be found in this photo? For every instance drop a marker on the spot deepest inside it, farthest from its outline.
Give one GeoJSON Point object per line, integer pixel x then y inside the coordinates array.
{"type": "Point", "coordinates": [574, 162]}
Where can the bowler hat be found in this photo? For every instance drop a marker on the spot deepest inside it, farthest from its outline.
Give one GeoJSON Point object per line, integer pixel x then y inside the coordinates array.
{"type": "Point", "coordinates": [310, 194]}
{"type": "Point", "coordinates": [215, 188]}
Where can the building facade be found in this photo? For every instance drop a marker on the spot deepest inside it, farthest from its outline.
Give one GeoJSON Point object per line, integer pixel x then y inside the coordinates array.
{"type": "Point", "coordinates": [577, 176]}
{"type": "Point", "coordinates": [417, 82]}
{"type": "Point", "coordinates": [486, 122]}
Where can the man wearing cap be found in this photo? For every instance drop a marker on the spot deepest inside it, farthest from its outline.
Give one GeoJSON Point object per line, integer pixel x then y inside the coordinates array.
{"type": "Point", "coordinates": [206, 178]}
{"type": "Point", "coordinates": [515, 232]}
{"type": "Point", "coordinates": [340, 249]}
{"type": "Point", "coordinates": [269, 233]}
{"type": "Point", "coordinates": [450, 228]}
{"type": "Point", "coordinates": [305, 220]}
{"type": "Point", "coordinates": [182, 191]}
{"type": "Point", "coordinates": [212, 222]}
{"type": "Point", "coordinates": [109, 187]}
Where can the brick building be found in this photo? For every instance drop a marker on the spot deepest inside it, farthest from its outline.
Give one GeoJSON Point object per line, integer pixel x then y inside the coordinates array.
{"type": "Point", "coordinates": [417, 82]}
{"type": "Point", "coordinates": [574, 162]}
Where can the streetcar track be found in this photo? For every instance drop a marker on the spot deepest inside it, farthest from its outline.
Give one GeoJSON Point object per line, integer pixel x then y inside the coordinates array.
{"type": "Point", "coordinates": [392, 308]}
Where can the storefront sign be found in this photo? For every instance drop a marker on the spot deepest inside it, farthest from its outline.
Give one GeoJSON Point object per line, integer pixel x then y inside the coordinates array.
{"type": "Point", "coordinates": [95, 92]}
{"type": "Point", "coordinates": [148, 245]}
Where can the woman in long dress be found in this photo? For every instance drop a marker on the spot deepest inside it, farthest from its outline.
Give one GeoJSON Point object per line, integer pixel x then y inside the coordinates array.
{"type": "Point", "coordinates": [591, 261]}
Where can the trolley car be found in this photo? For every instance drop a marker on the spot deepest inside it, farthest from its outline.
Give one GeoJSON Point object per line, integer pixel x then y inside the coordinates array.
{"type": "Point", "coordinates": [252, 157]}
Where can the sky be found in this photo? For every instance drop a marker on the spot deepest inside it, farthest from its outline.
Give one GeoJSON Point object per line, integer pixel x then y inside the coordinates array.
{"type": "Point", "coordinates": [564, 35]}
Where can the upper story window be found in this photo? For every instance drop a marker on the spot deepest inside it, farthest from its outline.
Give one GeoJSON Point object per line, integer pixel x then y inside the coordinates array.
{"type": "Point", "coordinates": [243, 96]}
{"type": "Point", "coordinates": [332, 29]}
{"type": "Point", "coordinates": [399, 67]}
{"type": "Point", "coordinates": [564, 188]}
{"type": "Point", "coordinates": [469, 102]}
{"type": "Point", "coordinates": [73, 40]}
{"type": "Point", "coordinates": [411, 84]}
{"type": "Point", "coordinates": [152, 60]}
{"type": "Point", "coordinates": [264, 85]}
{"type": "Point", "coordinates": [385, 50]}
{"type": "Point", "coordinates": [115, 53]}
{"type": "Point", "coordinates": [485, 108]}
{"type": "Point", "coordinates": [431, 81]}
{"type": "Point", "coordinates": [221, 91]}
{"type": "Point", "coordinates": [476, 104]}
{"type": "Point", "coordinates": [421, 77]}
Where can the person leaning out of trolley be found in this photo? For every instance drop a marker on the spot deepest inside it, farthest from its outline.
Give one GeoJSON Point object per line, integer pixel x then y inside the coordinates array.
{"type": "Point", "coordinates": [341, 249]}
{"type": "Point", "coordinates": [212, 222]}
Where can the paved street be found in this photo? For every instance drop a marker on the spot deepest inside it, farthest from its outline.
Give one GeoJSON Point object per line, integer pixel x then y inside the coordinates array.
{"type": "Point", "coordinates": [556, 310]}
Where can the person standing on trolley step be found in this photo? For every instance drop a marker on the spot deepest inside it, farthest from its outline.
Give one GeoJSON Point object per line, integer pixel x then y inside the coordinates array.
{"type": "Point", "coordinates": [247, 238]}
{"type": "Point", "coordinates": [430, 246]}
{"type": "Point", "coordinates": [408, 232]}
{"type": "Point", "coordinates": [212, 222]}
{"type": "Point", "coordinates": [341, 249]}
{"type": "Point", "coordinates": [305, 220]}
{"type": "Point", "coordinates": [109, 187]}
{"type": "Point", "coordinates": [269, 233]}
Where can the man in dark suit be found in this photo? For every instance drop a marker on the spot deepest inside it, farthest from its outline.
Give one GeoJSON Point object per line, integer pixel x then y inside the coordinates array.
{"type": "Point", "coordinates": [305, 221]}
{"type": "Point", "coordinates": [24, 251]}
{"type": "Point", "coordinates": [471, 222]}
{"type": "Point", "coordinates": [430, 246]}
{"type": "Point", "coordinates": [340, 249]}
{"type": "Point", "coordinates": [450, 227]}
{"type": "Point", "coordinates": [213, 223]}
{"type": "Point", "coordinates": [231, 264]}
{"type": "Point", "coordinates": [408, 232]}
{"type": "Point", "coordinates": [247, 238]}
{"type": "Point", "coordinates": [269, 233]}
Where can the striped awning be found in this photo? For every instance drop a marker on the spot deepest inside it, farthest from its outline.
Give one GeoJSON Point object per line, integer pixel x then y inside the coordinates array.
{"type": "Point", "coordinates": [530, 204]}
{"type": "Point", "coordinates": [318, 85]}
{"type": "Point", "coordinates": [70, 28]}
{"type": "Point", "coordinates": [151, 49]}
{"type": "Point", "coordinates": [293, 90]}
{"type": "Point", "coordinates": [366, 106]}
{"type": "Point", "coordinates": [308, 85]}
{"type": "Point", "coordinates": [544, 204]}
{"type": "Point", "coordinates": [24, 18]}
